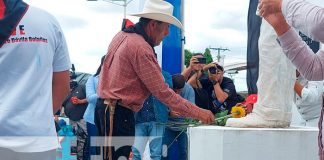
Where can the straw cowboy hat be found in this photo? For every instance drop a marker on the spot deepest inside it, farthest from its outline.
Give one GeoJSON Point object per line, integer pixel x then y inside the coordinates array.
{"type": "Point", "coordinates": [159, 10]}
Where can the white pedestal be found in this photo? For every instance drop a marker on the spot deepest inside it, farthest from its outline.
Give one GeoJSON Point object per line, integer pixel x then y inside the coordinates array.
{"type": "Point", "coordinates": [224, 143]}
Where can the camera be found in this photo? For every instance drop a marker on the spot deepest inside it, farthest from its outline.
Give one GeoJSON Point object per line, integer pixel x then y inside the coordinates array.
{"type": "Point", "coordinates": [212, 70]}
{"type": "Point", "coordinates": [202, 60]}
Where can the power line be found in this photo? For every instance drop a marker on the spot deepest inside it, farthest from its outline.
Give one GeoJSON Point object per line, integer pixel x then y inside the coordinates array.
{"type": "Point", "coordinates": [125, 3]}
{"type": "Point", "coordinates": [219, 49]}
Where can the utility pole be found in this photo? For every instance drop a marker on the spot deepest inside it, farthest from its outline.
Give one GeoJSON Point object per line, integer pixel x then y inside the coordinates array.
{"type": "Point", "coordinates": [125, 3]}
{"type": "Point", "coordinates": [219, 49]}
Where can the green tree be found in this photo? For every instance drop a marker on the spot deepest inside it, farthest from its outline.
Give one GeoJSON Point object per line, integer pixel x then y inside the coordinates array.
{"type": "Point", "coordinates": [208, 56]}
{"type": "Point", "coordinates": [188, 56]}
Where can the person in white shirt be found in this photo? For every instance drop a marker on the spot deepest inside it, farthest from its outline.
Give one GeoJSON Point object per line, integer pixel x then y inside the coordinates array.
{"type": "Point", "coordinates": [34, 76]}
{"type": "Point", "coordinates": [308, 101]}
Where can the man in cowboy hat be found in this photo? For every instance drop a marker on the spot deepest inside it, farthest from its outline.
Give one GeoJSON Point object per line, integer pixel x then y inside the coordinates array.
{"type": "Point", "coordinates": [131, 73]}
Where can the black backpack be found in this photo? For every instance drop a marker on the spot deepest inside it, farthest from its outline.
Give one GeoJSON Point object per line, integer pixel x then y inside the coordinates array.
{"type": "Point", "coordinates": [75, 112]}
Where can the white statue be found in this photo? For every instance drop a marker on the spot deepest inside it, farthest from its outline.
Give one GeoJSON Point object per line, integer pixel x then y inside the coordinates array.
{"type": "Point", "coordinates": [275, 86]}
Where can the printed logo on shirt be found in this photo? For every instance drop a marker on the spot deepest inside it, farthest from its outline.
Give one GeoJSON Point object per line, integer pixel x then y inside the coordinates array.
{"type": "Point", "coordinates": [19, 36]}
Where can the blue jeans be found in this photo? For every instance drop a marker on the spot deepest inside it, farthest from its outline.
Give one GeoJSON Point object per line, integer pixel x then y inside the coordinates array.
{"type": "Point", "coordinates": [148, 131]}
{"type": "Point", "coordinates": [182, 144]}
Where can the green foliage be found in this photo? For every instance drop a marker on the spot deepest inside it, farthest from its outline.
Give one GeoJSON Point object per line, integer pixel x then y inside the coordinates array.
{"type": "Point", "coordinates": [208, 56]}
{"type": "Point", "coordinates": [221, 118]}
{"type": "Point", "coordinates": [188, 56]}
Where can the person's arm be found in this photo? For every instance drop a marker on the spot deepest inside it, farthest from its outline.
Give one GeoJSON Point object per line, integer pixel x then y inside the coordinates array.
{"type": "Point", "coordinates": [187, 93]}
{"type": "Point", "coordinates": [212, 64]}
{"type": "Point", "coordinates": [219, 91]}
{"type": "Point", "coordinates": [81, 101]}
{"type": "Point", "coordinates": [298, 88]}
{"type": "Point", "coordinates": [194, 80]}
{"type": "Point", "coordinates": [60, 88]}
{"type": "Point", "coordinates": [220, 94]}
{"type": "Point", "coordinates": [309, 19]}
{"type": "Point", "coordinates": [187, 71]}
{"type": "Point", "coordinates": [310, 65]}
{"type": "Point", "coordinates": [148, 70]}
{"type": "Point", "coordinates": [301, 15]}
{"type": "Point", "coordinates": [61, 65]}
{"type": "Point", "coordinates": [91, 93]}
{"type": "Point", "coordinates": [305, 17]}
{"type": "Point", "coordinates": [193, 67]}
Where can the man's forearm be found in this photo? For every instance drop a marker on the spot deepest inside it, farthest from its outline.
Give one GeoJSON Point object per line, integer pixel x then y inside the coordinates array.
{"type": "Point", "coordinates": [219, 93]}
{"type": "Point", "coordinates": [270, 10]}
{"type": "Point", "coordinates": [298, 88]}
{"type": "Point", "coordinates": [60, 88]}
{"type": "Point", "coordinates": [186, 72]}
{"type": "Point", "coordinates": [305, 17]}
{"type": "Point", "coordinates": [279, 23]}
{"type": "Point", "coordinates": [193, 81]}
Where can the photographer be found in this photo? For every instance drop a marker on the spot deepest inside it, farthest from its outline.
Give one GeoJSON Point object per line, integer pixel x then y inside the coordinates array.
{"type": "Point", "coordinates": [220, 90]}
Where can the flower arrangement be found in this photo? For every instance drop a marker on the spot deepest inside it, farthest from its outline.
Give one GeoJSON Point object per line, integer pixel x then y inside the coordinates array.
{"type": "Point", "coordinates": [220, 118]}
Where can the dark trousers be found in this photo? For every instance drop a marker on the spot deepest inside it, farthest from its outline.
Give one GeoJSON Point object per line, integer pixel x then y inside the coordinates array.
{"type": "Point", "coordinates": [92, 133]}
{"type": "Point", "coordinates": [123, 126]}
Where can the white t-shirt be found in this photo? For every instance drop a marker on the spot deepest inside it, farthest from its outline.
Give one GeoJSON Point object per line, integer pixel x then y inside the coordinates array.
{"type": "Point", "coordinates": [27, 62]}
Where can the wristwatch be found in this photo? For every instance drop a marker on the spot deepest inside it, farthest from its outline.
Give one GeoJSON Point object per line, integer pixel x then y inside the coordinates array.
{"type": "Point", "coordinates": [215, 82]}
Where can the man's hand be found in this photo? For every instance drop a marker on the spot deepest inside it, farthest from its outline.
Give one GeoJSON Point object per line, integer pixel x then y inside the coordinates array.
{"type": "Point", "coordinates": [213, 77]}
{"type": "Point", "coordinates": [74, 100]}
{"type": "Point", "coordinates": [270, 10]}
{"type": "Point", "coordinates": [206, 67]}
{"type": "Point", "coordinates": [206, 116]}
{"type": "Point", "coordinates": [175, 114]}
{"type": "Point", "coordinates": [267, 7]}
{"type": "Point", "coordinates": [193, 65]}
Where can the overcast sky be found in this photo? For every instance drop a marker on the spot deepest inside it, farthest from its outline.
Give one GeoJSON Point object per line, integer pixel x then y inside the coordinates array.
{"type": "Point", "coordinates": [90, 26]}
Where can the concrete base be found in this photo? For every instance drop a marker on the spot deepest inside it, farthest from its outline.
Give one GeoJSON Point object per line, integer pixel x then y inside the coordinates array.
{"type": "Point", "coordinates": [224, 143]}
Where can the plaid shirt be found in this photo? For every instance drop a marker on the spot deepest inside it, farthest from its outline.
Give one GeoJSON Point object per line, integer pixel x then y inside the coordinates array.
{"type": "Point", "coordinates": [131, 72]}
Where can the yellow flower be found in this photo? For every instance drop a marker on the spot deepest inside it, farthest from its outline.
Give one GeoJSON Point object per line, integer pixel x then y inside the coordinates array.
{"type": "Point", "coordinates": [238, 112]}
